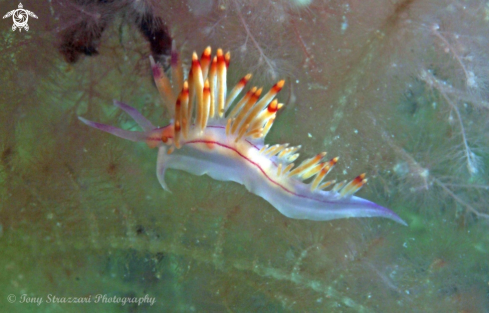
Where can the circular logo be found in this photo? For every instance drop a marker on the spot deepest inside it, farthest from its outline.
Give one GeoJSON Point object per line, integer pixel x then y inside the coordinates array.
{"type": "Point", "coordinates": [11, 298]}
{"type": "Point", "coordinates": [20, 18]}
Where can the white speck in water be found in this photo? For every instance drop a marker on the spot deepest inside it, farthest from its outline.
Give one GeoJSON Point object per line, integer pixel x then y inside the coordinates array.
{"type": "Point", "coordinates": [393, 274]}
{"type": "Point", "coordinates": [309, 135]}
{"type": "Point", "coordinates": [355, 131]}
{"type": "Point", "coordinates": [344, 25]}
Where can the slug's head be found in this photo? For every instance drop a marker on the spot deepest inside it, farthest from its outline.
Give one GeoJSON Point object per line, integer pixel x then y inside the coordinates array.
{"type": "Point", "coordinates": [153, 136]}
{"type": "Point", "coordinates": [159, 136]}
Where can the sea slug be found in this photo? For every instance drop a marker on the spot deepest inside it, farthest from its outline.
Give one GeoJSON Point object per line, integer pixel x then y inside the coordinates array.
{"type": "Point", "coordinates": [222, 135]}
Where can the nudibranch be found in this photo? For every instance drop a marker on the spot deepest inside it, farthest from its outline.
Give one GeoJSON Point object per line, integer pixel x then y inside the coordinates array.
{"type": "Point", "coordinates": [221, 134]}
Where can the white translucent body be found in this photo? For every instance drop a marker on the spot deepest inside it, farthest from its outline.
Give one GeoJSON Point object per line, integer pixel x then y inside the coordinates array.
{"type": "Point", "coordinates": [213, 153]}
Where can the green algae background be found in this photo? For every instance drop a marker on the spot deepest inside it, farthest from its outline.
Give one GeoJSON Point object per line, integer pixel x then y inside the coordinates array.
{"type": "Point", "coordinates": [397, 89]}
